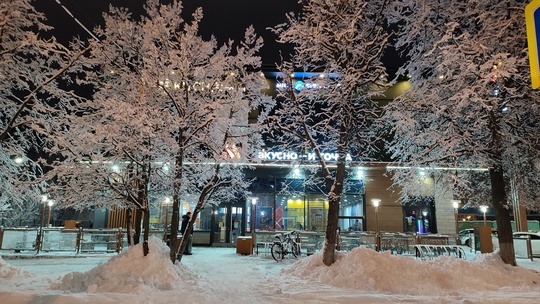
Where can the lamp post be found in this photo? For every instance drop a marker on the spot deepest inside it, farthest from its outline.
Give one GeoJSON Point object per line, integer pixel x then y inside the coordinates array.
{"type": "Point", "coordinates": [484, 210]}
{"type": "Point", "coordinates": [455, 204]}
{"type": "Point", "coordinates": [41, 216]}
{"type": "Point", "coordinates": [165, 227]}
{"type": "Point", "coordinates": [50, 203]}
{"type": "Point", "coordinates": [376, 203]}
{"type": "Point", "coordinates": [253, 207]}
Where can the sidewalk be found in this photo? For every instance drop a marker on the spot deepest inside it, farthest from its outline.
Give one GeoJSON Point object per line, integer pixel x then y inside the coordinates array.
{"type": "Point", "coordinates": [214, 274]}
{"type": "Point", "coordinates": [12, 255]}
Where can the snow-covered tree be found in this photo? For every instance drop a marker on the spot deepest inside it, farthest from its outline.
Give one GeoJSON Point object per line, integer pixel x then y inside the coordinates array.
{"type": "Point", "coordinates": [470, 106]}
{"type": "Point", "coordinates": [340, 43]}
{"type": "Point", "coordinates": [32, 65]}
{"type": "Point", "coordinates": [169, 107]}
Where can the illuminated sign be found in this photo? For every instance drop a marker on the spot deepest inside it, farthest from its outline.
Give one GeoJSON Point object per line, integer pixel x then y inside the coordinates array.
{"type": "Point", "coordinates": [298, 85]}
{"type": "Point", "coordinates": [532, 19]}
{"type": "Point", "coordinates": [287, 155]}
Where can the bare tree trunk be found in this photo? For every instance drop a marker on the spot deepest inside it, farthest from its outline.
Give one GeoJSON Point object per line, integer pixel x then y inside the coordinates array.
{"type": "Point", "coordinates": [189, 228]}
{"type": "Point", "coordinates": [146, 224]}
{"type": "Point", "coordinates": [331, 230]}
{"type": "Point", "coordinates": [334, 197]}
{"type": "Point", "coordinates": [186, 235]}
{"type": "Point", "coordinates": [138, 220]}
{"type": "Point", "coordinates": [502, 214]}
{"type": "Point", "coordinates": [129, 225]}
{"type": "Point", "coordinates": [174, 226]}
{"type": "Point", "coordinates": [498, 194]}
{"type": "Point", "coordinates": [143, 198]}
{"type": "Point", "coordinates": [176, 197]}
{"type": "Point", "coordinates": [129, 212]}
{"type": "Point", "coordinates": [205, 193]}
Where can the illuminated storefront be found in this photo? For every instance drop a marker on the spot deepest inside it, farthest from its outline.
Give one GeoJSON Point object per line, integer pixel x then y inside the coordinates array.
{"type": "Point", "coordinates": [285, 202]}
{"type": "Point", "coordinates": [280, 199]}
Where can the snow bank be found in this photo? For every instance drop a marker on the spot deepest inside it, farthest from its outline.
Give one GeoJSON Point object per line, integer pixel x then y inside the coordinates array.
{"type": "Point", "coordinates": [366, 269]}
{"type": "Point", "coordinates": [131, 272]}
{"type": "Point", "coordinates": [8, 272]}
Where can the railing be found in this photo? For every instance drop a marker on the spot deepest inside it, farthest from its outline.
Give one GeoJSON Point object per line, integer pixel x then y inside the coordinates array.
{"type": "Point", "coordinates": [351, 240]}
{"type": "Point", "coordinates": [18, 238]}
{"type": "Point", "coordinates": [76, 240]}
{"type": "Point", "coordinates": [397, 243]}
{"type": "Point", "coordinates": [86, 240]}
{"type": "Point", "coordinates": [433, 251]}
{"type": "Point", "coordinates": [523, 247]}
{"type": "Point", "coordinates": [309, 241]}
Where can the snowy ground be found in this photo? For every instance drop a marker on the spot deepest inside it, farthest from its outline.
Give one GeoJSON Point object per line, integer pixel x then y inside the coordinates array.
{"type": "Point", "coordinates": [214, 275]}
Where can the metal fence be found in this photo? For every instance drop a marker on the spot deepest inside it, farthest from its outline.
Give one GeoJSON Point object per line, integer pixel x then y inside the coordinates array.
{"type": "Point", "coordinates": [398, 243]}
{"type": "Point", "coordinates": [76, 240]}
{"type": "Point", "coordinates": [88, 240]}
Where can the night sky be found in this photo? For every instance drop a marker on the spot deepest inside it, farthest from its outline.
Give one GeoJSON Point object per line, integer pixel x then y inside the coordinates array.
{"type": "Point", "coordinates": [225, 19]}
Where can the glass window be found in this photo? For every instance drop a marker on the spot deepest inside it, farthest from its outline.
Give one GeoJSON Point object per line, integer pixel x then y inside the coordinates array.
{"type": "Point", "coordinates": [419, 215]}
{"type": "Point", "coordinates": [261, 213]}
{"type": "Point", "coordinates": [317, 212]}
{"type": "Point", "coordinates": [188, 205]}
{"type": "Point", "coordinates": [236, 226]}
{"type": "Point", "coordinates": [351, 213]}
{"type": "Point", "coordinates": [220, 228]}
{"type": "Point", "coordinates": [204, 220]}
{"type": "Point", "coordinates": [290, 212]}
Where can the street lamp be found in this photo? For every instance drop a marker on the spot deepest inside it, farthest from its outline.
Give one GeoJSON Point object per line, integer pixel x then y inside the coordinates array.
{"type": "Point", "coordinates": [50, 203]}
{"type": "Point", "coordinates": [42, 215]}
{"type": "Point", "coordinates": [253, 206]}
{"type": "Point", "coordinates": [455, 204]}
{"type": "Point", "coordinates": [376, 203]}
{"type": "Point", "coordinates": [484, 210]}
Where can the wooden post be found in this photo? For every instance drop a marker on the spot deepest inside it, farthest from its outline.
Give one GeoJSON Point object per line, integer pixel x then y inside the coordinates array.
{"type": "Point", "coordinates": [119, 240]}
{"type": "Point", "coordinates": [79, 239]}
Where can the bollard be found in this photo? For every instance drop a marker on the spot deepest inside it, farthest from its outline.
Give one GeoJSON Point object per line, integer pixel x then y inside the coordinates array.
{"type": "Point", "coordinates": [119, 239]}
{"type": "Point", "coordinates": [79, 239]}
{"type": "Point", "coordinates": [529, 247]}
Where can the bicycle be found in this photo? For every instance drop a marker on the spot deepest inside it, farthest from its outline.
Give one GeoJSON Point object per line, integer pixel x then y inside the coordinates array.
{"type": "Point", "coordinates": [283, 245]}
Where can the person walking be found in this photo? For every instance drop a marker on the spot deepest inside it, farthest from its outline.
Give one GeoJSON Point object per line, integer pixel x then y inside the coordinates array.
{"type": "Point", "coordinates": [185, 221]}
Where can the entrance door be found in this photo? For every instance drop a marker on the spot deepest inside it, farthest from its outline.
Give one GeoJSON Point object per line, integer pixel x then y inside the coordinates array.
{"type": "Point", "coordinates": [235, 222]}
{"type": "Point", "coordinates": [220, 226]}
{"type": "Point", "coordinates": [228, 224]}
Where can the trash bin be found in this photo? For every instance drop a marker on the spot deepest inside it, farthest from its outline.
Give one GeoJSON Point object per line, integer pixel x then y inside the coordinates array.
{"type": "Point", "coordinates": [244, 245]}
{"type": "Point", "coordinates": [483, 240]}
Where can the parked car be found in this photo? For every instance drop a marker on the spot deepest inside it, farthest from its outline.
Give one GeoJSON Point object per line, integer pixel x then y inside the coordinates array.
{"type": "Point", "coordinates": [520, 245]}
{"type": "Point", "coordinates": [467, 238]}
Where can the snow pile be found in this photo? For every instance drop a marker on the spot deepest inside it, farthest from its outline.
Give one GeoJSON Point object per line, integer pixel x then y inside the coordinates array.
{"type": "Point", "coordinates": [8, 272]}
{"type": "Point", "coordinates": [366, 269]}
{"type": "Point", "coordinates": [131, 272]}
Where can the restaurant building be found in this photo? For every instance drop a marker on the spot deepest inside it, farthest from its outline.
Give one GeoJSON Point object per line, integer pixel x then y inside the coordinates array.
{"type": "Point", "coordinates": [281, 200]}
